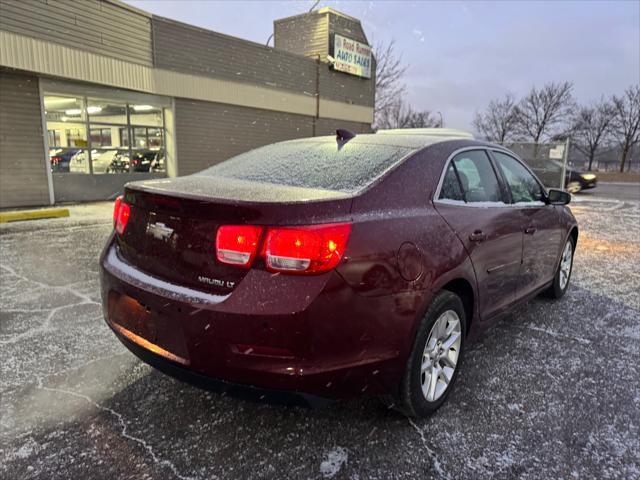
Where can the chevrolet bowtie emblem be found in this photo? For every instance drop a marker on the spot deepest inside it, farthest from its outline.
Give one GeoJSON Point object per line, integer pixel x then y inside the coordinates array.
{"type": "Point", "coordinates": [160, 231]}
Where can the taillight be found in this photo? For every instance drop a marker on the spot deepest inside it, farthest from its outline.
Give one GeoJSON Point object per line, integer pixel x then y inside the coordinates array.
{"type": "Point", "coordinates": [309, 249]}
{"type": "Point", "coordinates": [237, 244]}
{"type": "Point", "coordinates": [121, 212]}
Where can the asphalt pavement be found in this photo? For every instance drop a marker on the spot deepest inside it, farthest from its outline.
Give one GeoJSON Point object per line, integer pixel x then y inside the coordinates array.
{"type": "Point", "coordinates": [550, 392]}
{"type": "Point", "coordinates": [613, 190]}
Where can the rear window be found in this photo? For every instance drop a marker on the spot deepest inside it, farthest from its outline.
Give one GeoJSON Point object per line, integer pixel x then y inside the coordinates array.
{"type": "Point", "coordinates": [311, 164]}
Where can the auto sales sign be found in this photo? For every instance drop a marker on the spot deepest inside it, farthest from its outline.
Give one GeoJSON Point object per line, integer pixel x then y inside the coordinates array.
{"type": "Point", "coordinates": [351, 56]}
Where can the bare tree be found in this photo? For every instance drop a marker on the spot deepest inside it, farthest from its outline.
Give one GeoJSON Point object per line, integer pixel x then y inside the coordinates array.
{"type": "Point", "coordinates": [499, 121]}
{"type": "Point", "coordinates": [399, 114]}
{"type": "Point", "coordinates": [390, 71]}
{"type": "Point", "coordinates": [626, 123]}
{"type": "Point", "coordinates": [541, 112]}
{"type": "Point", "coordinates": [591, 127]}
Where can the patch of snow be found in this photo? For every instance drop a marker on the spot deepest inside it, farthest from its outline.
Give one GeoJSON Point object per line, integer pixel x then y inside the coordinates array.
{"type": "Point", "coordinates": [515, 407]}
{"type": "Point", "coordinates": [123, 431]}
{"type": "Point", "coordinates": [330, 467]}
{"type": "Point", "coordinates": [434, 458]}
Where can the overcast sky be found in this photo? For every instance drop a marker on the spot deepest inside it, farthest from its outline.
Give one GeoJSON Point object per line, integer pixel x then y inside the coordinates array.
{"type": "Point", "coordinates": [462, 54]}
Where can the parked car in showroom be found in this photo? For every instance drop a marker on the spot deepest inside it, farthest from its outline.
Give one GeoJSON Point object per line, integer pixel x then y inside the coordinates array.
{"type": "Point", "coordinates": [60, 158]}
{"type": "Point", "coordinates": [147, 161]}
{"type": "Point", "coordinates": [103, 161]}
{"type": "Point", "coordinates": [254, 276]}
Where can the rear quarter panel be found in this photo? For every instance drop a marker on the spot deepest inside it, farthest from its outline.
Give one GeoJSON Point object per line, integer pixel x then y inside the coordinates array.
{"type": "Point", "coordinates": [398, 212]}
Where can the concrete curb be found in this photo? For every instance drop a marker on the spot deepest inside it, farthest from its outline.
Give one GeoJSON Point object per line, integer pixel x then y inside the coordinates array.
{"type": "Point", "coordinates": [19, 215]}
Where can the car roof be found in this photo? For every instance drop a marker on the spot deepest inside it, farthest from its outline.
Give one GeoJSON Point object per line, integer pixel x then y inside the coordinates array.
{"type": "Point", "coordinates": [409, 138]}
{"type": "Point", "coordinates": [428, 132]}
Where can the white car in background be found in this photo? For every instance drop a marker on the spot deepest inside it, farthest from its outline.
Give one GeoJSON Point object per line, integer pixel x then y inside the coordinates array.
{"type": "Point", "coordinates": [109, 161]}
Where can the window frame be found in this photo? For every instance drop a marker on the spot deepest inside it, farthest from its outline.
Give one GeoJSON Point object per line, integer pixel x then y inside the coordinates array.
{"type": "Point", "coordinates": [505, 193]}
{"type": "Point", "coordinates": [507, 187]}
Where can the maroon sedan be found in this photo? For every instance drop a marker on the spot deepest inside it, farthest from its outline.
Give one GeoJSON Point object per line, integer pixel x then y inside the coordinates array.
{"type": "Point", "coordinates": [330, 268]}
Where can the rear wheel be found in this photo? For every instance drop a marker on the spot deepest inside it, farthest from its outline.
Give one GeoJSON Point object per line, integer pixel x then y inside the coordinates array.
{"type": "Point", "coordinates": [435, 357]}
{"type": "Point", "coordinates": [563, 274]}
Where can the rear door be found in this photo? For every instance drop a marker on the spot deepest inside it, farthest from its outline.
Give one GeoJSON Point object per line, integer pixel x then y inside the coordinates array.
{"type": "Point", "coordinates": [540, 223]}
{"type": "Point", "coordinates": [473, 202]}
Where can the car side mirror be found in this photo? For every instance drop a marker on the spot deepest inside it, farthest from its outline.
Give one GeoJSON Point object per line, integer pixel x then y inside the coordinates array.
{"type": "Point", "coordinates": [558, 197]}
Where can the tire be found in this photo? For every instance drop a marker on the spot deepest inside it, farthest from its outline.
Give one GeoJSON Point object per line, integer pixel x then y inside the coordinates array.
{"type": "Point", "coordinates": [445, 307]}
{"type": "Point", "coordinates": [574, 187]}
{"type": "Point", "coordinates": [560, 283]}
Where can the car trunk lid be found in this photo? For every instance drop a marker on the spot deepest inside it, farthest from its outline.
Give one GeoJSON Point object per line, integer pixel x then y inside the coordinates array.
{"type": "Point", "coordinates": [173, 223]}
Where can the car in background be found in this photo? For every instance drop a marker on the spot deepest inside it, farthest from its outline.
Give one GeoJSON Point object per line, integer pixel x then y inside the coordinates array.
{"type": "Point", "coordinates": [147, 161]}
{"type": "Point", "coordinates": [333, 267]}
{"type": "Point", "coordinates": [576, 180]}
{"type": "Point", "coordinates": [60, 159]}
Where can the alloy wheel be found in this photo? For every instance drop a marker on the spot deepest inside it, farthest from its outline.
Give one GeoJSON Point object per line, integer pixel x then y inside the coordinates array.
{"type": "Point", "coordinates": [440, 356]}
{"type": "Point", "coordinates": [565, 265]}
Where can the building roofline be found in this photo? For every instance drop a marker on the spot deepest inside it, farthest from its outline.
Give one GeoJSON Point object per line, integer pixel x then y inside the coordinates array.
{"type": "Point", "coordinates": [338, 13]}
{"type": "Point", "coordinates": [322, 11]}
{"type": "Point", "coordinates": [131, 8]}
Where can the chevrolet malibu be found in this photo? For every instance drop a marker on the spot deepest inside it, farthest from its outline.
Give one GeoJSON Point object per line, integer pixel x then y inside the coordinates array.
{"type": "Point", "coordinates": [332, 267]}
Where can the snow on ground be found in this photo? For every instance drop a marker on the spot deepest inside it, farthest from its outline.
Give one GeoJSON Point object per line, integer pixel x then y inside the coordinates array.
{"type": "Point", "coordinates": [550, 392]}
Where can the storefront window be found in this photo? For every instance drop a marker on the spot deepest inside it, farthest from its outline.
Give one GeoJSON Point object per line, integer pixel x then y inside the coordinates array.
{"type": "Point", "coordinates": [75, 137]}
{"type": "Point", "coordinates": [124, 136]}
{"type": "Point", "coordinates": [78, 162]}
{"type": "Point", "coordinates": [148, 115]}
{"type": "Point", "coordinates": [147, 138]}
{"type": "Point", "coordinates": [54, 138]}
{"type": "Point", "coordinates": [67, 133]}
{"type": "Point", "coordinates": [106, 111]}
{"type": "Point", "coordinates": [97, 135]}
{"type": "Point", "coordinates": [112, 160]}
{"type": "Point", "coordinates": [100, 137]}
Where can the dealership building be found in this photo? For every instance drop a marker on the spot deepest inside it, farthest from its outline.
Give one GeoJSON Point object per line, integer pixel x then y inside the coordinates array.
{"type": "Point", "coordinates": [95, 94]}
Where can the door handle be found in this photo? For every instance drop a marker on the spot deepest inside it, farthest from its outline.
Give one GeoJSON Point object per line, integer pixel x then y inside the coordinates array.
{"type": "Point", "coordinates": [530, 230]}
{"type": "Point", "coordinates": [477, 236]}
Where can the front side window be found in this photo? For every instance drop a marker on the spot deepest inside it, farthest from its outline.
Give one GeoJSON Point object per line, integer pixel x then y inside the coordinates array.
{"type": "Point", "coordinates": [477, 177]}
{"type": "Point", "coordinates": [524, 187]}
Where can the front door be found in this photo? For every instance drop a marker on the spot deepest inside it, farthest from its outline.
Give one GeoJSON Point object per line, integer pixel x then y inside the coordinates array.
{"type": "Point", "coordinates": [540, 224]}
{"type": "Point", "coordinates": [473, 204]}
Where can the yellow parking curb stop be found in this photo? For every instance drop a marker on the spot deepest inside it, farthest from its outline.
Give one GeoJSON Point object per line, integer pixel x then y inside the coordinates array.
{"type": "Point", "coordinates": [18, 215]}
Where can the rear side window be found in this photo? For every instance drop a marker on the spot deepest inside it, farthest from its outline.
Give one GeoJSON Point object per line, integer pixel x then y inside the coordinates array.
{"type": "Point", "coordinates": [476, 176]}
{"type": "Point", "coordinates": [313, 164]}
{"type": "Point", "coordinates": [524, 187]}
{"type": "Point", "coordinates": [450, 186]}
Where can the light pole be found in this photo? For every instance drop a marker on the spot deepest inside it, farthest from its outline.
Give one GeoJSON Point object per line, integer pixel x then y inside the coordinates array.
{"type": "Point", "coordinates": [441, 119]}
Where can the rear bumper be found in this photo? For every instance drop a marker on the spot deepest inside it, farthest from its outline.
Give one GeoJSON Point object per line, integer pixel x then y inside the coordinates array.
{"type": "Point", "coordinates": [245, 392]}
{"type": "Point", "coordinates": [336, 345]}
